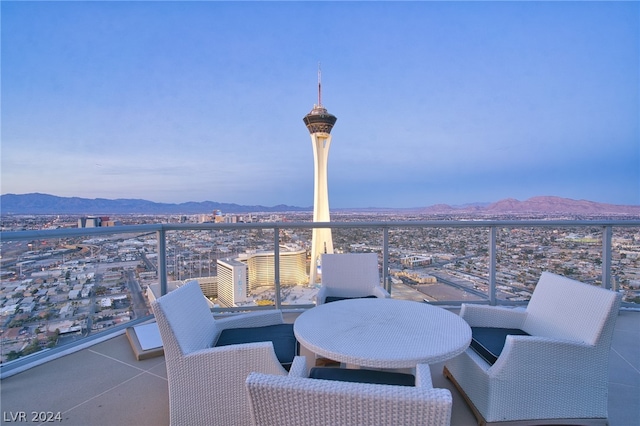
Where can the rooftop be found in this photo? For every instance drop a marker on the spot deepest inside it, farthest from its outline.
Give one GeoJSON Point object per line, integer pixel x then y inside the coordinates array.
{"type": "Point", "coordinates": [105, 385]}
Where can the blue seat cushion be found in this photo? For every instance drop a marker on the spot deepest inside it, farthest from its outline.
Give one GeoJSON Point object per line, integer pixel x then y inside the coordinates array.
{"type": "Point", "coordinates": [330, 299]}
{"type": "Point", "coordinates": [489, 341]}
{"type": "Point", "coordinates": [284, 341]}
{"type": "Point", "coordinates": [363, 376]}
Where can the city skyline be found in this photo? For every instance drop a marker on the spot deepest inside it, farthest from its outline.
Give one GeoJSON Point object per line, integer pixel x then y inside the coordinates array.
{"type": "Point", "coordinates": [439, 102]}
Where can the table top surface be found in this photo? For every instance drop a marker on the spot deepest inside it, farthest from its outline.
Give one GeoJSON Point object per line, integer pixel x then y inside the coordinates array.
{"type": "Point", "coordinates": [382, 333]}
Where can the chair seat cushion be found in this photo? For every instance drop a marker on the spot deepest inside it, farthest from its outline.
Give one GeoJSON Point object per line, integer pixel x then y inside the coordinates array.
{"type": "Point", "coordinates": [330, 299]}
{"type": "Point", "coordinates": [281, 335]}
{"type": "Point", "coordinates": [489, 341]}
{"type": "Point", "coordinates": [363, 376]}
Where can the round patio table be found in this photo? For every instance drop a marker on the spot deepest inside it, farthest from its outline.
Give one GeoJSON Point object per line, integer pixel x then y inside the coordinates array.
{"type": "Point", "coordinates": [382, 333]}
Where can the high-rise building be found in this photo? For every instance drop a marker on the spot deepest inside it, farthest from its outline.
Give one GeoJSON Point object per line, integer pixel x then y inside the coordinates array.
{"type": "Point", "coordinates": [239, 276]}
{"type": "Point", "coordinates": [261, 267]}
{"type": "Point", "coordinates": [320, 122]}
{"type": "Point", "coordinates": [232, 282]}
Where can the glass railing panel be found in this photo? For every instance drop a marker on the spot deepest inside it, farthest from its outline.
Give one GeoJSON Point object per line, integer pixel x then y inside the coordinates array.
{"type": "Point", "coordinates": [575, 252]}
{"type": "Point", "coordinates": [525, 252]}
{"type": "Point", "coordinates": [439, 264]}
{"type": "Point", "coordinates": [236, 266]}
{"type": "Point", "coordinates": [278, 269]}
{"type": "Point", "coordinates": [57, 291]}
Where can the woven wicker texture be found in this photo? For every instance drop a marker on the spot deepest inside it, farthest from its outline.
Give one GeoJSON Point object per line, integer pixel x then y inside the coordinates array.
{"type": "Point", "coordinates": [382, 333]}
{"type": "Point", "coordinates": [281, 401]}
{"type": "Point", "coordinates": [560, 372]}
{"type": "Point", "coordinates": [206, 385]}
{"type": "Point", "coordinates": [350, 275]}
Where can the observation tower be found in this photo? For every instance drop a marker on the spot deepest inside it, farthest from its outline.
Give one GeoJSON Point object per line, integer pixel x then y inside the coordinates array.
{"type": "Point", "coordinates": [320, 122]}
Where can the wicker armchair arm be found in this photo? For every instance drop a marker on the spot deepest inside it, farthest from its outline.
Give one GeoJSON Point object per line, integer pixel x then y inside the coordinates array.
{"type": "Point", "coordinates": [492, 316]}
{"type": "Point", "coordinates": [221, 358]}
{"type": "Point", "coordinates": [540, 358]}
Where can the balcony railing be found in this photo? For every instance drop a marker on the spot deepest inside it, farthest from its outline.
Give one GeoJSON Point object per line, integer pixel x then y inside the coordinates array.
{"type": "Point", "coordinates": [491, 237]}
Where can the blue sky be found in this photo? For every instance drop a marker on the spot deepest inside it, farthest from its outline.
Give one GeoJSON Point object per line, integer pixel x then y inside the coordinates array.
{"type": "Point", "coordinates": [437, 102]}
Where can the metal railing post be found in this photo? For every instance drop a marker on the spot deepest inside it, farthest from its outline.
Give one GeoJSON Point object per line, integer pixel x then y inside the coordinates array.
{"type": "Point", "coordinates": [607, 232]}
{"type": "Point", "coordinates": [385, 259]}
{"type": "Point", "coordinates": [276, 266]}
{"type": "Point", "coordinates": [492, 265]}
{"type": "Point", "coordinates": [162, 260]}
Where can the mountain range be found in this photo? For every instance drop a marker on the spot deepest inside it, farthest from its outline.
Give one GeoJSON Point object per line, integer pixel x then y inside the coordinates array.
{"type": "Point", "coordinates": [36, 203]}
{"type": "Point", "coordinates": [539, 205]}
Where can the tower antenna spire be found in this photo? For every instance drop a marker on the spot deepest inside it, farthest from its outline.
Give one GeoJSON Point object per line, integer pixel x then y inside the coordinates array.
{"type": "Point", "coordinates": [319, 85]}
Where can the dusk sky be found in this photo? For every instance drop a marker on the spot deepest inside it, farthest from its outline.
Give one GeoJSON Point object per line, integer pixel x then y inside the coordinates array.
{"type": "Point", "coordinates": [437, 102]}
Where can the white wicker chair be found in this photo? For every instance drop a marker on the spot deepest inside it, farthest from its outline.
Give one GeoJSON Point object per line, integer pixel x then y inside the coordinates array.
{"type": "Point", "coordinates": [206, 384]}
{"type": "Point", "coordinates": [287, 401]}
{"type": "Point", "coordinates": [558, 374]}
{"type": "Point", "coordinates": [350, 275]}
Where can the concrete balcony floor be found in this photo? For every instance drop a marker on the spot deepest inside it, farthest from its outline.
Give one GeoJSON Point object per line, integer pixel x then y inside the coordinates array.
{"type": "Point", "coordinates": [105, 385]}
